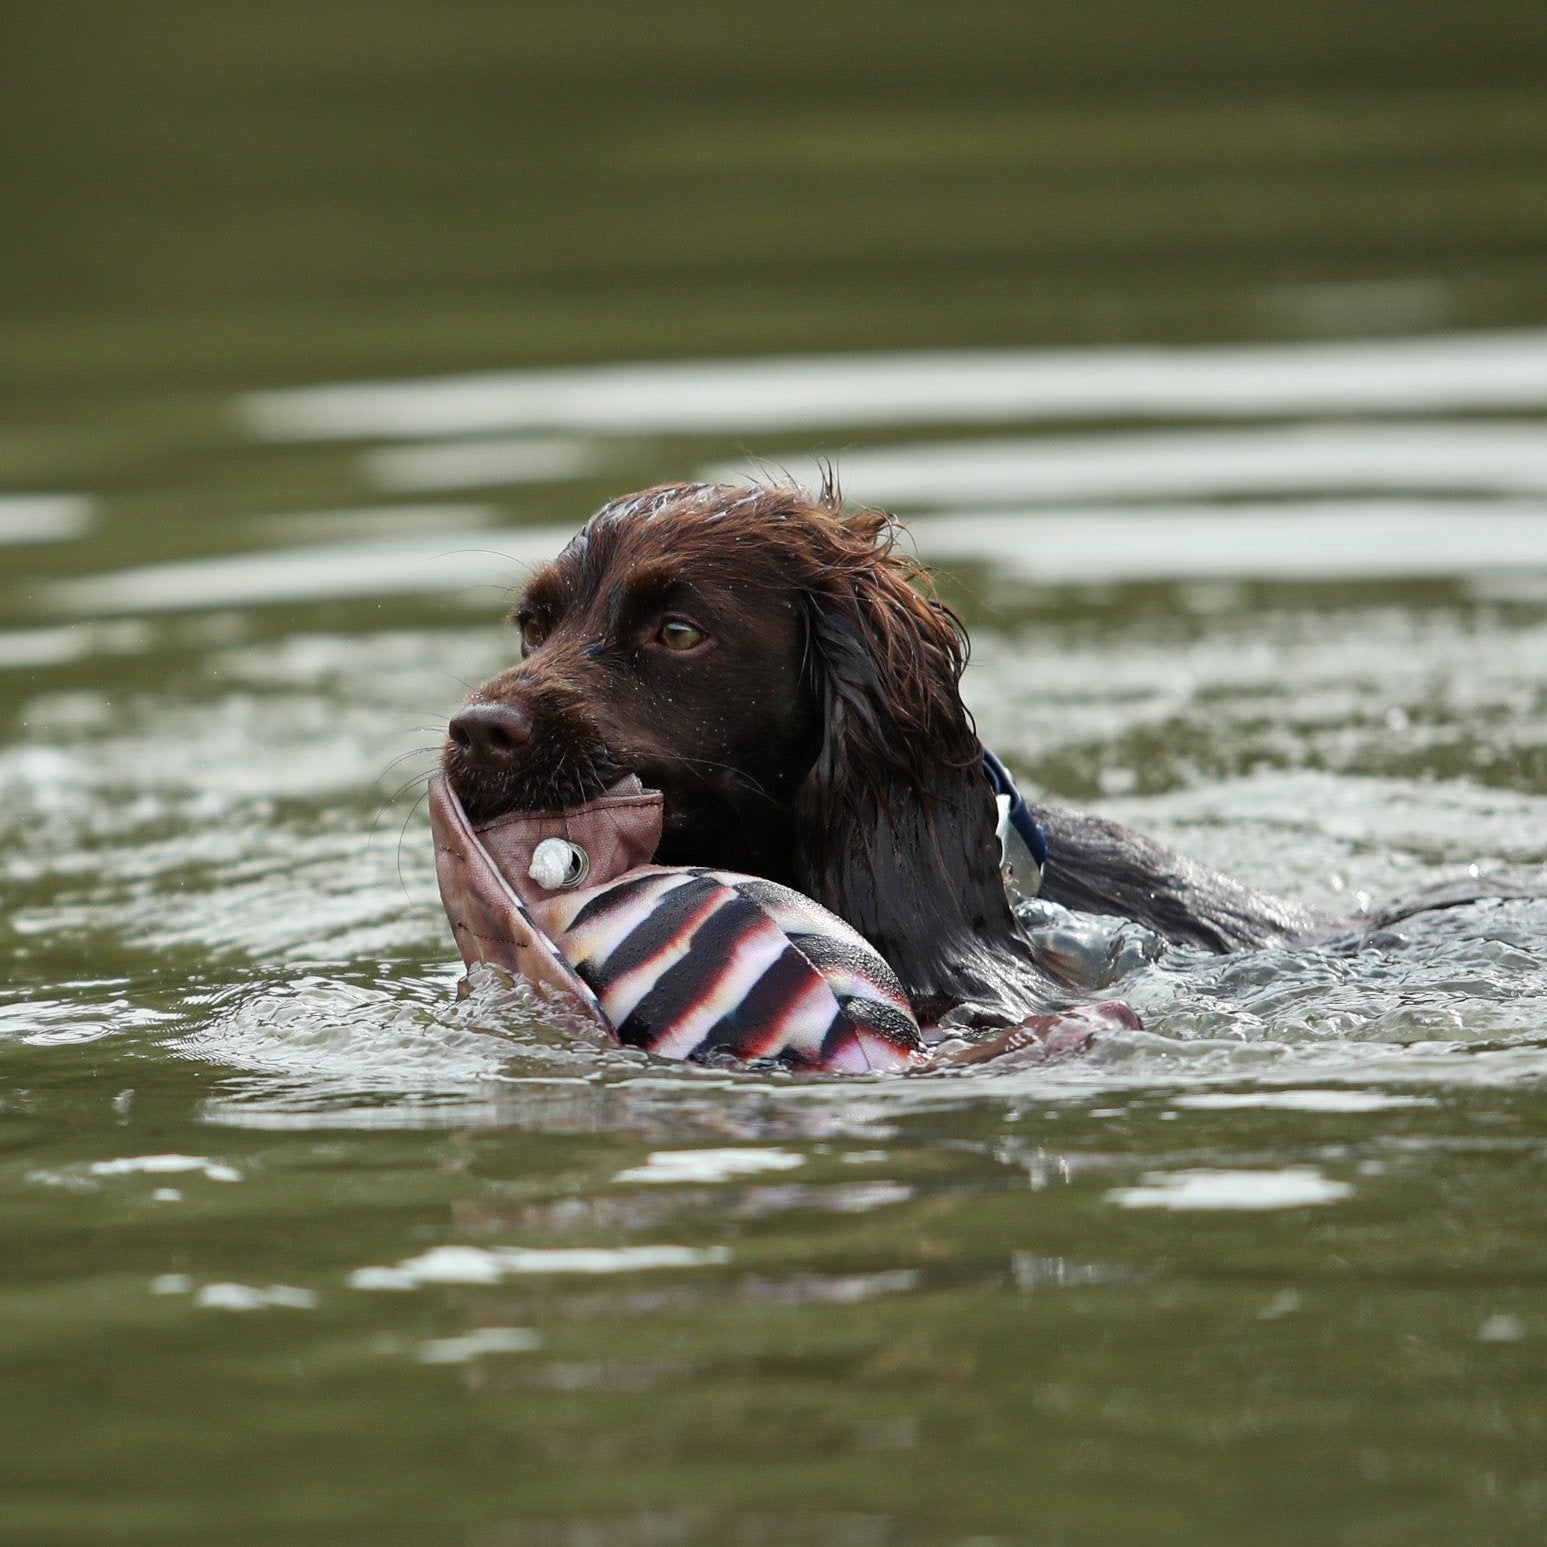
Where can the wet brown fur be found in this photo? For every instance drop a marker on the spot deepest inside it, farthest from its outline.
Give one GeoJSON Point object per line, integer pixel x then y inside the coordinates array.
{"type": "Point", "coordinates": [818, 739]}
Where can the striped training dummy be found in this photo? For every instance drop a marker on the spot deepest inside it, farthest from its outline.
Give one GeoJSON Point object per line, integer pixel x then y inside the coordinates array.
{"type": "Point", "coordinates": [682, 962]}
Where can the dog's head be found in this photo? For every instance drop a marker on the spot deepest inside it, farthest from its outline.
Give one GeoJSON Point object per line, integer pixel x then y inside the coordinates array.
{"type": "Point", "coordinates": [668, 640]}
{"type": "Point", "coordinates": [775, 667]}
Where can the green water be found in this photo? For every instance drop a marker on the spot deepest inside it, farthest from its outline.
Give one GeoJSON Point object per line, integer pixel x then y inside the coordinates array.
{"type": "Point", "coordinates": [277, 1213]}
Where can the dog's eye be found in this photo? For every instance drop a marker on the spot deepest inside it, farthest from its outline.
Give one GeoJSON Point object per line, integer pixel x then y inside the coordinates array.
{"type": "Point", "coordinates": [533, 632]}
{"type": "Point", "coordinates": [677, 635]}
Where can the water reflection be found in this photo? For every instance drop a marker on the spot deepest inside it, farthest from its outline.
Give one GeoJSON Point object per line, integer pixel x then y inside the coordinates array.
{"type": "Point", "coordinates": [1333, 540]}
{"type": "Point", "coordinates": [1437, 456]}
{"type": "Point", "coordinates": [1300, 1100]}
{"type": "Point", "coordinates": [708, 1165]}
{"type": "Point", "coordinates": [1291, 1187]}
{"type": "Point", "coordinates": [44, 518]}
{"type": "Point", "coordinates": [387, 566]}
{"type": "Point", "coordinates": [898, 1311]}
{"type": "Point", "coordinates": [1454, 372]}
{"type": "Point", "coordinates": [28, 649]}
{"type": "Point", "coordinates": [480, 463]}
{"type": "Point", "coordinates": [478, 1344]}
{"type": "Point", "coordinates": [492, 1265]}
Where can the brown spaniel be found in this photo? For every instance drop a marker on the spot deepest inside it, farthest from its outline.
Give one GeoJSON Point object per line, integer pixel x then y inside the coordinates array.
{"type": "Point", "coordinates": [787, 678]}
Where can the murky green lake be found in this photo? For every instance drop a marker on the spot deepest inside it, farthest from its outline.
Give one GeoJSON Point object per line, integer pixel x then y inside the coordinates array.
{"type": "Point", "coordinates": [1206, 354]}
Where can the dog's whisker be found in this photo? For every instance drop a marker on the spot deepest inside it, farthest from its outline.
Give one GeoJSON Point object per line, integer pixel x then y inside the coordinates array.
{"type": "Point", "coordinates": [391, 800]}
{"type": "Point", "coordinates": [403, 757]}
{"type": "Point", "coordinates": [403, 834]}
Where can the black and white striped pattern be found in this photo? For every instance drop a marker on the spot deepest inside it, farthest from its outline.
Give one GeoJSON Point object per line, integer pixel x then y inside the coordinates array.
{"type": "Point", "coordinates": [699, 964]}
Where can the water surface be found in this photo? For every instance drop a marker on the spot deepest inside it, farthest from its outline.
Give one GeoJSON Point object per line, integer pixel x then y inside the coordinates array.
{"type": "Point", "coordinates": [1237, 472]}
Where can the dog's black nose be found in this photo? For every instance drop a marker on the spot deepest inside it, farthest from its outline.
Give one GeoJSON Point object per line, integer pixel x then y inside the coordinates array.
{"type": "Point", "coordinates": [491, 735]}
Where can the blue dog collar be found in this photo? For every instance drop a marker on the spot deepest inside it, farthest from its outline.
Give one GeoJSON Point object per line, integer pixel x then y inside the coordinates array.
{"type": "Point", "coordinates": [1022, 841]}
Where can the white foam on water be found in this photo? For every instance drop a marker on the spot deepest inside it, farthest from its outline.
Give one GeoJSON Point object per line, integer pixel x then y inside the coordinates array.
{"type": "Point", "coordinates": [1437, 373]}
{"type": "Point", "coordinates": [1336, 540]}
{"type": "Point", "coordinates": [1292, 1187]}
{"type": "Point", "coordinates": [490, 1265]}
{"type": "Point", "coordinates": [245, 1297]}
{"type": "Point", "coordinates": [161, 1165]}
{"type": "Point", "coordinates": [1432, 455]}
{"type": "Point", "coordinates": [708, 1165]}
{"type": "Point", "coordinates": [345, 1037]}
{"type": "Point", "coordinates": [478, 1343]}
{"type": "Point", "coordinates": [1334, 1101]}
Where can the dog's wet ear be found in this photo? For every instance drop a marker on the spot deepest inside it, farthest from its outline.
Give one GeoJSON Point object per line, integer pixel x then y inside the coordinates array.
{"type": "Point", "coordinates": [885, 657]}
{"type": "Point", "coordinates": [896, 821]}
